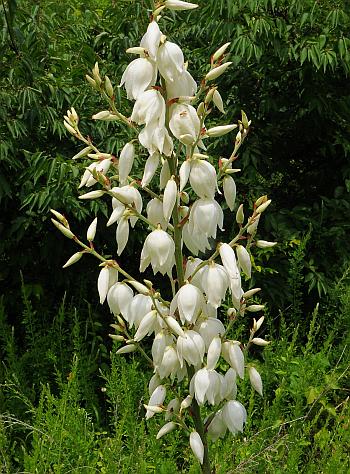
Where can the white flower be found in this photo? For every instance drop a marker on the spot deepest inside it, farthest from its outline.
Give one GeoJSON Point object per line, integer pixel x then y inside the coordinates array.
{"type": "Point", "coordinates": [107, 277]}
{"type": "Point", "coordinates": [158, 250]}
{"type": "Point", "coordinates": [190, 348]}
{"type": "Point", "coordinates": [197, 446]}
{"type": "Point", "coordinates": [91, 232]}
{"type": "Point", "coordinates": [215, 282]}
{"type": "Point", "coordinates": [214, 352]}
{"type": "Point", "coordinates": [155, 213]}
{"type": "Point", "coordinates": [209, 329]}
{"type": "Point", "coordinates": [203, 179]}
{"type": "Point", "coordinates": [119, 297]}
{"type": "Point", "coordinates": [150, 40]}
{"type": "Point", "coordinates": [189, 301]}
{"type": "Point", "coordinates": [218, 101]}
{"type": "Point", "coordinates": [169, 198]}
{"type": "Point", "coordinates": [217, 427]}
{"type": "Point", "coordinates": [229, 386]}
{"type": "Point", "coordinates": [206, 215]}
{"type": "Point", "coordinates": [184, 121]}
{"type": "Point", "coordinates": [234, 415]}
{"type": "Point", "coordinates": [184, 86]}
{"type": "Point", "coordinates": [122, 234]}
{"type": "Point", "coordinates": [138, 307]}
{"type": "Point", "coordinates": [157, 399]}
{"type": "Point", "coordinates": [139, 75]}
{"type": "Point", "coordinates": [126, 160]}
{"type": "Point", "coordinates": [170, 61]}
{"type": "Point", "coordinates": [229, 187]}
{"type": "Point", "coordinates": [206, 386]}
{"type": "Point", "coordinates": [170, 362]}
{"type": "Point", "coordinates": [149, 108]}
{"type": "Point", "coordinates": [160, 342]}
{"type": "Point", "coordinates": [184, 173]}
{"type": "Point", "coordinates": [155, 137]}
{"type": "Point", "coordinates": [244, 260]}
{"type": "Point", "coordinates": [233, 354]}
{"type": "Point", "coordinates": [146, 326]}
{"type": "Point", "coordinates": [167, 428]}
{"type": "Point", "coordinates": [255, 380]}
{"type": "Point", "coordinates": [151, 166]}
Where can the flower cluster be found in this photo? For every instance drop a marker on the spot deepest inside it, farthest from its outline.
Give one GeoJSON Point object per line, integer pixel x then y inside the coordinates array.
{"type": "Point", "coordinates": [192, 339]}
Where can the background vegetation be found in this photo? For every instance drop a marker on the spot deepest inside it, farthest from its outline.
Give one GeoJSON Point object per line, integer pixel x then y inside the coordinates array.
{"type": "Point", "coordinates": [67, 404]}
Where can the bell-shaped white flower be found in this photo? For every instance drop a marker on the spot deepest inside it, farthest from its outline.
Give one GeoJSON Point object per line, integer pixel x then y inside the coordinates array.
{"type": "Point", "coordinates": [214, 352]}
{"type": "Point", "coordinates": [119, 297]}
{"type": "Point", "coordinates": [206, 386]}
{"type": "Point", "coordinates": [255, 380]}
{"type": "Point", "coordinates": [170, 60]}
{"type": "Point", "coordinates": [234, 414]}
{"type": "Point", "coordinates": [215, 282]}
{"type": "Point", "coordinates": [146, 326]}
{"type": "Point", "coordinates": [160, 342]}
{"type": "Point", "coordinates": [206, 215]}
{"type": "Point", "coordinates": [127, 195]}
{"type": "Point", "coordinates": [155, 213]}
{"type": "Point", "coordinates": [150, 40]}
{"type": "Point", "coordinates": [233, 354]}
{"type": "Point", "coordinates": [203, 179]}
{"type": "Point", "coordinates": [155, 137]}
{"type": "Point", "coordinates": [190, 348]}
{"type": "Point", "coordinates": [169, 198]}
{"type": "Point", "coordinates": [189, 301]}
{"type": "Point", "coordinates": [229, 187]}
{"type": "Point", "coordinates": [229, 385]}
{"type": "Point", "coordinates": [194, 242]}
{"type": "Point", "coordinates": [244, 260]}
{"type": "Point", "coordinates": [151, 166]}
{"type": "Point", "coordinates": [184, 86]}
{"type": "Point", "coordinates": [217, 427]}
{"type": "Point", "coordinates": [157, 398]}
{"type": "Point", "coordinates": [122, 234]}
{"type": "Point", "coordinates": [149, 108]}
{"type": "Point", "coordinates": [209, 329]}
{"type": "Point", "coordinates": [170, 362]}
{"type": "Point", "coordinates": [184, 121]}
{"type": "Point", "coordinates": [138, 307]}
{"type": "Point", "coordinates": [139, 75]}
{"type": "Point", "coordinates": [126, 160]}
{"type": "Point", "coordinates": [197, 446]}
{"type": "Point", "coordinates": [158, 250]}
{"type": "Point", "coordinates": [107, 277]}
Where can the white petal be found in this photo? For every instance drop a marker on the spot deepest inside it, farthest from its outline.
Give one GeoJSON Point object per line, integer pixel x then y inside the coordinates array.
{"type": "Point", "coordinates": [169, 198]}
{"type": "Point", "coordinates": [122, 234]}
{"type": "Point", "coordinates": [197, 446]}
{"type": "Point", "coordinates": [214, 352]}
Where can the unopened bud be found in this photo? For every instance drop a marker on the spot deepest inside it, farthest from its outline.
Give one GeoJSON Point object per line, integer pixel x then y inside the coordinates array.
{"type": "Point", "coordinates": [74, 259]}
{"type": "Point", "coordinates": [217, 71]}
{"type": "Point", "coordinates": [69, 128]}
{"type": "Point", "coordinates": [218, 53]}
{"type": "Point", "coordinates": [117, 337]}
{"type": "Point", "coordinates": [231, 312]}
{"type": "Point", "coordinates": [91, 232]}
{"type": "Point", "coordinates": [139, 287]}
{"type": "Point", "coordinates": [105, 115]}
{"type": "Point", "coordinates": [260, 342]}
{"type": "Point", "coordinates": [91, 81]}
{"type": "Point", "coordinates": [84, 152]}
{"type": "Point", "coordinates": [264, 244]}
{"type": "Point", "coordinates": [154, 408]}
{"type": "Point", "coordinates": [92, 195]}
{"type": "Point", "coordinates": [220, 130]}
{"type": "Point", "coordinates": [96, 74]}
{"type": "Point", "coordinates": [248, 294]}
{"type": "Point", "coordinates": [179, 5]}
{"type": "Point", "coordinates": [201, 109]}
{"type": "Point", "coordinates": [127, 349]}
{"type": "Point", "coordinates": [186, 403]}
{"type": "Point", "coordinates": [254, 308]}
{"type": "Point", "coordinates": [240, 215]}
{"type": "Point", "coordinates": [262, 207]}
{"type": "Point", "coordinates": [167, 428]}
{"type": "Point", "coordinates": [260, 200]}
{"type": "Point", "coordinates": [66, 232]}
{"type": "Point", "coordinates": [245, 121]}
{"type": "Point", "coordinates": [184, 197]}
{"type": "Point", "coordinates": [136, 50]}
{"type": "Point", "coordinates": [109, 87]}
{"type": "Point", "coordinates": [59, 216]}
{"type": "Point", "coordinates": [209, 96]}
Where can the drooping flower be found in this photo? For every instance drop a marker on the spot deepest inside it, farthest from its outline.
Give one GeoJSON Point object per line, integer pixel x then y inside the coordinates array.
{"type": "Point", "coordinates": [158, 250]}
{"type": "Point", "coordinates": [170, 61]}
{"type": "Point", "coordinates": [139, 75]}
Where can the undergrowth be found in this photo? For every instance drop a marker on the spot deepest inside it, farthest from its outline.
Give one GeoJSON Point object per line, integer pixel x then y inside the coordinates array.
{"type": "Point", "coordinates": [70, 405]}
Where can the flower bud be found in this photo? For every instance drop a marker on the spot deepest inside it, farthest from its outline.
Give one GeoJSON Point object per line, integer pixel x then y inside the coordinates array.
{"type": "Point", "coordinates": [244, 260]}
{"type": "Point", "coordinates": [91, 232]}
{"type": "Point", "coordinates": [109, 87]}
{"type": "Point", "coordinates": [117, 337]}
{"type": "Point", "coordinates": [248, 294]}
{"type": "Point", "coordinates": [240, 215]}
{"type": "Point", "coordinates": [74, 259]}
{"type": "Point", "coordinates": [217, 99]}
{"type": "Point", "coordinates": [255, 380]}
{"type": "Point", "coordinates": [218, 53]}
{"type": "Point", "coordinates": [197, 446]}
{"type": "Point", "coordinates": [85, 151]}
{"type": "Point", "coordinates": [245, 121]}
{"type": "Point", "coordinates": [127, 349]}
{"type": "Point", "coordinates": [167, 428]}
{"type": "Point", "coordinates": [179, 5]}
{"type": "Point", "coordinates": [92, 194]}
{"type": "Point", "coordinates": [70, 128]}
{"type": "Point", "coordinates": [186, 402]}
{"type": "Point", "coordinates": [220, 130]}
{"type": "Point", "coordinates": [60, 217]}
{"type": "Point", "coordinates": [66, 232]}
{"type": "Point", "coordinates": [169, 198]}
{"type": "Point", "coordinates": [174, 326]}
{"type": "Point", "coordinates": [264, 244]}
{"type": "Point", "coordinates": [105, 115]}
{"type": "Point", "coordinates": [260, 342]}
{"type": "Point", "coordinates": [217, 71]}
{"type": "Point", "coordinates": [91, 81]}
{"type": "Point", "coordinates": [229, 187]}
{"type": "Point", "coordinates": [263, 206]}
{"type": "Point", "coordinates": [139, 287]}
{"type": "Point", "coordinates": [209, 96]}
{"type": "Point", "coordinates": [254, 308]}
